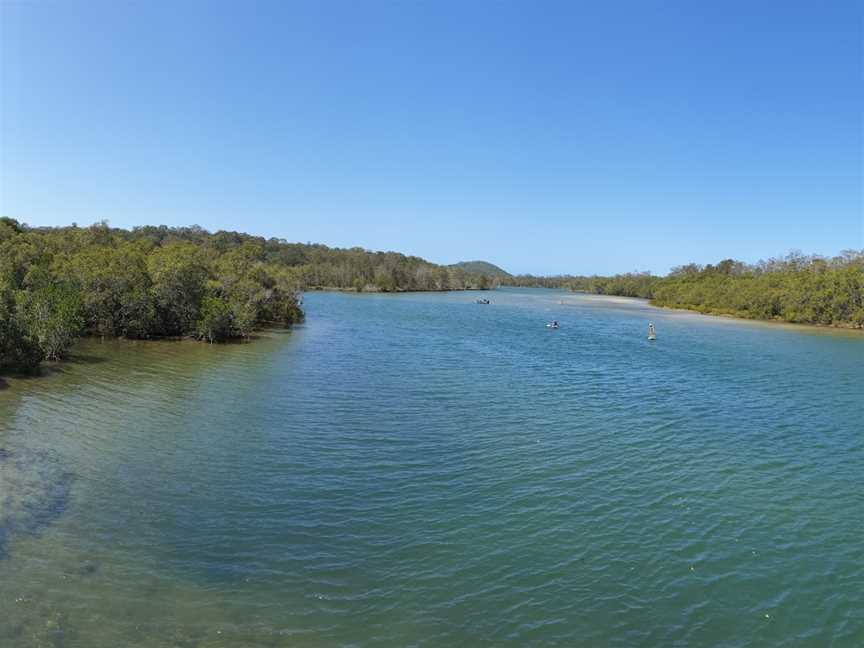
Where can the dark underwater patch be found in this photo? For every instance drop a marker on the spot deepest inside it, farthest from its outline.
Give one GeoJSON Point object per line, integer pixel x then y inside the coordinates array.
{"type": "Point", "coordinates": [35, 490]}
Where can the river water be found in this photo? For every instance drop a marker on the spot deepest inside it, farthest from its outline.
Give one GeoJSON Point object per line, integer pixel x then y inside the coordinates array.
{"type": "Point", "coordinates": [418, 469]}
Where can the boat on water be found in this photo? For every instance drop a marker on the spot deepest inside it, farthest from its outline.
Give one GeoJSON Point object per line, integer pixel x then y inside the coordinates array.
{"type": "Point", "coordinates": [553, 324]}
{"type": "Point", "coordinates": [652, 334]}
{"type": "Point", "coordinates": [483, 301]}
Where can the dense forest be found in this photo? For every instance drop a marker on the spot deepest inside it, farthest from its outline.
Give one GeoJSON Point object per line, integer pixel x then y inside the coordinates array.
{"type": "Point", "coordinates": [320, 267]}
{"type": "Point", "coordinates": [797, 288]}
{"type": "Point", "coordinates": [57, 284]}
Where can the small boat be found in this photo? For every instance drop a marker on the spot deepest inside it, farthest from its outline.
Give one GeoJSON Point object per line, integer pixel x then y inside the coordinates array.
{"type": "Point", "coordinates": [483, 301]}
{"type": "Point", "coordinates": [652, 334]}
{"type": "Point", "coordinates": [553, 325]}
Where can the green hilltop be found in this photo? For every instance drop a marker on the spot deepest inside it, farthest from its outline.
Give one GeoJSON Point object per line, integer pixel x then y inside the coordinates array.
{"type": "Point", "coordinates": [482, 267]}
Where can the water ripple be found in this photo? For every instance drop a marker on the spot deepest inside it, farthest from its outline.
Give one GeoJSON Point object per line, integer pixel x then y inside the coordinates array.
{"type": "Point", "coordinates": [415, 470]}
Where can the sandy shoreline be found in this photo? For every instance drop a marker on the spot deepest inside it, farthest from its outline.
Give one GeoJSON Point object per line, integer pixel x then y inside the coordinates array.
{"type": "Point", "coordinates": [725, 316]}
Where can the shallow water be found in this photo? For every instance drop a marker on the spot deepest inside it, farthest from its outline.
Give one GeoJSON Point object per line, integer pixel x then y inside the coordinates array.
{"type": "Point", "coordinates": [421, 470]}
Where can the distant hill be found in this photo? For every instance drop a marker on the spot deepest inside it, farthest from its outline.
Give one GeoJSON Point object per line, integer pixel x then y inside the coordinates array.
{"type": "Point", "coordinates": [482, 267]}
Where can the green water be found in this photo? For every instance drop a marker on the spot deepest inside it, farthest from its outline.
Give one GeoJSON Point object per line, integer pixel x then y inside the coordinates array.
{"type": "Point", "coordinates": [421, 470]}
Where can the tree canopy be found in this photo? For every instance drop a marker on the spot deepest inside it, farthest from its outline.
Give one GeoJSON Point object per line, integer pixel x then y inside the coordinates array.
{"type": "Point", "coordinates": [59, 283]}
{"type": "Point", "coordinates": [796, 288]}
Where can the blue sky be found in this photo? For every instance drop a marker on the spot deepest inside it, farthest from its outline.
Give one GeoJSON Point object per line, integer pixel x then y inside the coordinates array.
{"type": "Point", "coordinates": [547, 137]}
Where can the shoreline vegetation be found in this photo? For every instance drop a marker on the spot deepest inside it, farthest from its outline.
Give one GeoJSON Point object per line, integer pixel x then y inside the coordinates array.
{"type": "Point", "coordinates": [795, 289]}
{"type": "Point", "coordinates": [155, 282]}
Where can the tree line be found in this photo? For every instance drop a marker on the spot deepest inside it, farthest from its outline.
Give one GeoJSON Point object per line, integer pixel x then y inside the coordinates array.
{"type": "Point", "coordinates": [635, 284]}
{"type": "Point", "coordinates": [316, 266]}
{"type": "Point", "coordinates": [539, 281]}
{"type": "Point", "coordinates": [805, 289]}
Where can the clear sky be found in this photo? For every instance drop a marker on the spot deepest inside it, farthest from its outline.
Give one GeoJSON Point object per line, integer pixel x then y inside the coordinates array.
{"type": "Point", "coordinates": [547, 137]}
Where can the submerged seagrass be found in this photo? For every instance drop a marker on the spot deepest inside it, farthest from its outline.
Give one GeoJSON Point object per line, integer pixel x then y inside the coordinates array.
{"type": "Point", "coordinates": [417, 469]}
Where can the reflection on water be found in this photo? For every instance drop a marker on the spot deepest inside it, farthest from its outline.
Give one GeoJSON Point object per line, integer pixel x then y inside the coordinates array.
{"type": "Point", "coordinates": [417, 469]}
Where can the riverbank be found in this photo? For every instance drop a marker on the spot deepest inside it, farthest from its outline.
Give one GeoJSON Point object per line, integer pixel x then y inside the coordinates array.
{"type": "Point", "coordinates": [839, 326]}
{"type": "Point", "coordinates": [725, 315]}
